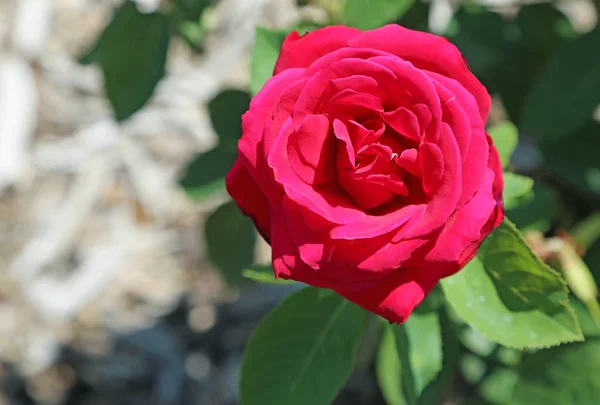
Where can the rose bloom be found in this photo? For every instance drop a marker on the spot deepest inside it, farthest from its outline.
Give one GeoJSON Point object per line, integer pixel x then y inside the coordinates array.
{"type": "Point", "coordinates": [364, 162]}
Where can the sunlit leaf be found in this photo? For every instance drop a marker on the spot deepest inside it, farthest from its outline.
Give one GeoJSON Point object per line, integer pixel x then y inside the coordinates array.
{"type": "Point", "coordinates": [302, 352]}
{"type": "Point", "coordinates": [505, 136]}
{"type": "Point", "coordinates": [511, 297]}
{"type": "Point", "coordinates": [357, 13]}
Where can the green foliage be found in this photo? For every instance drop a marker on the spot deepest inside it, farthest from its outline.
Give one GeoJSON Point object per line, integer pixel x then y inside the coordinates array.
{"type": "Point", "coordinates": [226, 111]}
{"type": "Point", "coordinates": [266, 50]}
{"type": "Point", "coordinates": [436, 391]}
{"type": "Point", "coordinates": [191, 10]}
{"type": "Point", "coordinates": [589, 327]}
{"type": "Point", "coordinates": [132, 52]}
{"type": "Point", "coordinates": [389, 370]}
{"type": "Point", "coordinates": [566, 375]}
{"type": "Point", "coordinates": [567, 92]}
{"type": "Point", "coordinates": [517, 190]}
{"type": "Point", "coordinates": [509, 54]}
{"type": "Point", "coordinates": [574, 159]}
{"type": "Point", "coordinates": [537, 213]}
{"type": "Point", "coordinates": [206, 173]}
{"type": "Point", "coordinates": [302, 352]}
{"type": "Point", "coordinates": [264, 274]}
{"type": "Point", "coordinates": [425, 343]}
{"type": "Point", "coordinates": [416, 361]}
{"type": "Point", "coordinates": [378, 12]}
{"type": "Point", "coordinates": [498, 386]}
{"type": "Point", "coordinates": [505, 136]}
{"type": "Point", "coordinates": [511, 297]}
{"type": "Point", "coordinates": [230, 240]}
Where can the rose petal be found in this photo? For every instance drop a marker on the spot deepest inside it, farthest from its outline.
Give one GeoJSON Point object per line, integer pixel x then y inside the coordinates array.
{"type": "Point", "coordinates": [390, 182]}
{"type": "Point", "coordinates": [330, 204]}
{"type": "Point", "coordinates": [360, 84]}
{"type": "Point", "coordinates": [353, 103]}
{"type": "Point", "coordinates": [404, 122]}
{"type": "Point", "coordinates": [443, 202]}
{"type": "Point", "coordinates": [251, 146]}
{"type": "Point", "coordinates": [314, 93]}
{"type": "Point", "coordinates": [455, 116]}
{"type": "Point", "coordinates": [464, 226]}
{"type": "Point", "coordinates": [408, 160]}
{"type": "Point", "coordinates": [366, 133]}
{"type": "Point", "coordinates": [312, 249]}
{"type": "Point", "coordinates": [341, 132]}
{"type": "Point", "coordinates": [366, 194]}
{"type": "Point", "coordinates": [249, 197]}
{"type": "Point", "coordinates": [421, 111]}
{"type": "Point", "coordinates": [417, 88]}
{"type": "Point", "coordinates": [397, 295]}
{"type": "Point", "coordinates": [311, 151]}
{"type": "Point", "coordinates": [431, 160]}
{"type": "Point", "coordinates": [429, 52]}
{"type": "Point", "coordinates": [495, 164]}
{"type": "Point", "coordinates": [373, 226]}
{"type": "Point", "coordinates": [343, 53]}
{"type": "Point", "coordinates": [476, 156]}
{"type": "Point", "coordinates": [302, 50]}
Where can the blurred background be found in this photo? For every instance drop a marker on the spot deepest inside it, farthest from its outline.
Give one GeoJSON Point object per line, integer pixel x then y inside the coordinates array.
{"type": "Point", "coordinates": [120, 257]}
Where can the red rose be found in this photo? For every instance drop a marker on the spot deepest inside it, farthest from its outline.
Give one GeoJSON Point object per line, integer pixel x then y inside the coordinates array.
{"type": "Point", "coordinates": [365, 163]}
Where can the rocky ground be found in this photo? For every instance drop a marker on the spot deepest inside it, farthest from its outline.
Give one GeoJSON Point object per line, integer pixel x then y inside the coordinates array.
{"type": "Point", "coordinates": [104, 294]}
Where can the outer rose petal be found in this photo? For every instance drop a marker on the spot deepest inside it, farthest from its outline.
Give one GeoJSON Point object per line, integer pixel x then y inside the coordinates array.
{"type": "Point", "coordinates": [429, 52]}
{"type": "Point", "coordinates": [254, 144]}
{"type": "Point", "coordinates": [465, 225]}
{"type": "Point", "coordinates": [302, 50]}
{"type": "Point", "coordinates": [249, 197]}
{"type": "Point", "coordinates": [396, 295]}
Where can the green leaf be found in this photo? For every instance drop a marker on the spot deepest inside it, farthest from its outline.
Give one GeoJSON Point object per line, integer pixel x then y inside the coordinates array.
{"type": "Point", "coordinates": [589, 327]}
{"type": "Point", "coordinates": [389, 370]}
{"type": "Point", "coordinates": [505, 136]}
{"type": "Point", "coordinates": [410, 359]}
{"type": "Point", "coordinates": [436, 391]}
{"type": "Point", "coordinates": [432, 302]}
{"type": "Point", "coordinates": [415, 17]}
{"type": "Point", "coordinates": [592, 259]}
{"type": "Point", "coordinates": [485, 49]}
{"type": "Point", "coordinates": [205, 174]}
{"type": "Point", "coordinates": [132, 52]}
{"type": "Point", "coordinates": [373, 14]}
{"type": "Point", "coordinates": [511, 297]}
{"type": "Point", "coordinates": [497, 388]}
{"type": "Point", "coordinates": [544, 28]}
{"type": "Point", "coordinates": [587, 231]}
{"type": "Point", "coordinates": [302, 352]}
{"type": "Point", "coordinates": [517, 190]}
{"type": "Point", "coordinates": [425, 342]}
{"type": "Point", "coordinates": [567, 92]}
{"type": "Point", "coordinates": [566, 375]}
{"type": "Point", "coordinates": [537, 213]}
{"type": "Point", "coordinates": [226, 111]}
{"type": "Point", "coordinates": [191, 10]}
{"type": "Point", "coordinates": [264, 274]}
{"type": "Point", "coordinates": [575, 159]}
{"type": "Point", "coordinates": [266, 51]}
{"type": "Point", "coordinates": [230, 240]}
